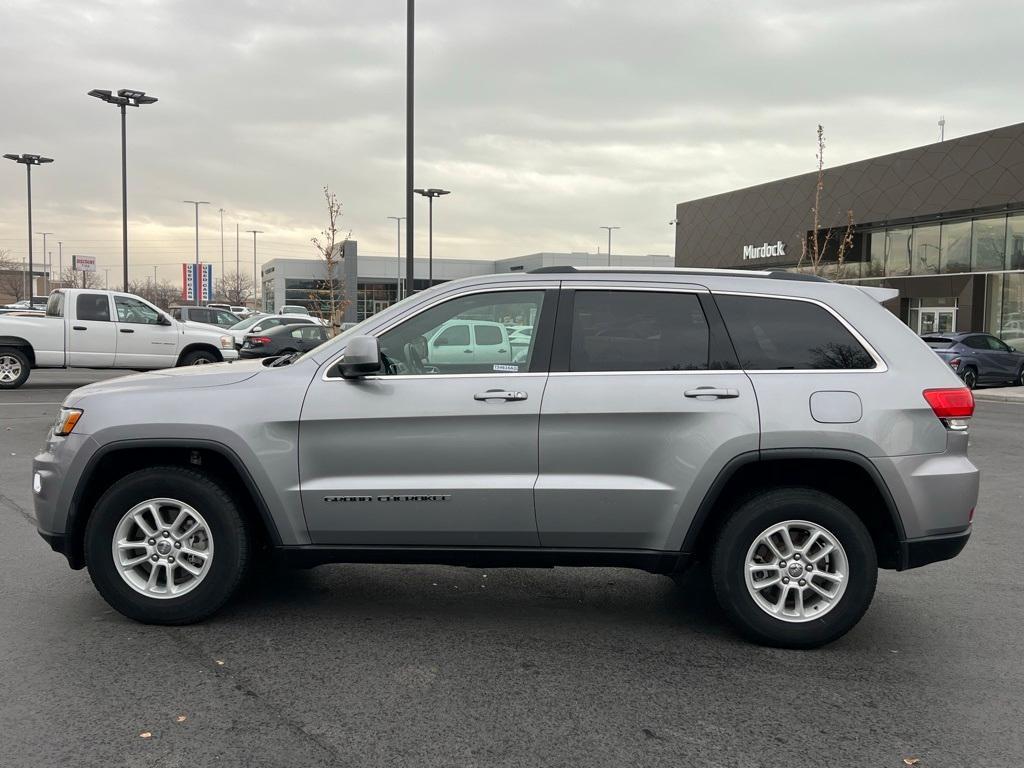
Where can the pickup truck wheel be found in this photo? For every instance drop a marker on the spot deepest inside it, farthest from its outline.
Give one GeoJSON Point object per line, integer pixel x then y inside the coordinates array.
{"type": "Point", "coordinates": [794, 568]}
{"type": "Point", "coordinates": [14, 367]}
{"type": "Point", "coordinates": [199, 357]}
{"type": "Point", "coordinates": [166, 545]}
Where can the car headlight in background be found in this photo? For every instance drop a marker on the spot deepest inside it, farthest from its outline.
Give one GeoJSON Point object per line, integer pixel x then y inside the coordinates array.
{"type": "Point", "coordinates": [66, 420]}
{"type": "Point", "coordinates": [227, 342]}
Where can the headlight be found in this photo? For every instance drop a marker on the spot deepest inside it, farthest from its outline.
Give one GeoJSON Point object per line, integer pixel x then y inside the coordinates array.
{"type": "Point", "coordinates": [227, 342]}
{"type": "Point", "coordinates": [66, 421]}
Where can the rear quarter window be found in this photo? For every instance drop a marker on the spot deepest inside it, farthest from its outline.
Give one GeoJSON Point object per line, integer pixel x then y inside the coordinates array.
{"type": "Point", "coordinates": [772, 334]}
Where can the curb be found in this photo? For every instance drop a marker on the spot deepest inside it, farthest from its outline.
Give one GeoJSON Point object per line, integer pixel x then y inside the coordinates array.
{"type": "Point", "coordinates": [999, 398]}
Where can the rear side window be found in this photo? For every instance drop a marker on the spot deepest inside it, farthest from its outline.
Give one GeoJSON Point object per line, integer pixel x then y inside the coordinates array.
{"type": "Point", "coordinates": [638, 331]}
{"type": "Point", "coordinates": [453, 336]}
{"type": "Point", "coordinates": [785, 334]}
{"type": "Point", "coordinates": [976, 342]}
{"type": "Point", "coordinates": [55, 305]}
{"type": "Point", "coordinates": [92, 306]}
{"type": "Point", "coordinates": [487, 335]}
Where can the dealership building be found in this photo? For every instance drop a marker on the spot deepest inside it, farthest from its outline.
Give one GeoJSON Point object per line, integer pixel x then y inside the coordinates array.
{"type": "Point", "coordinates": [371, 283]}
{"type": "Point", "coordinates": [943, 224]}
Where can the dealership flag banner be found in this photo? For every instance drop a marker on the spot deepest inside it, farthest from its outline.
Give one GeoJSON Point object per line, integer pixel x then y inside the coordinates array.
{"type": "Point", "coordinates": [196, 282]}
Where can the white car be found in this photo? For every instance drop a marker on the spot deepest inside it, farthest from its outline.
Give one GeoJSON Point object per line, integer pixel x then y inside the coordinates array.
{"type": "Point", "coordinates": [104, 329]}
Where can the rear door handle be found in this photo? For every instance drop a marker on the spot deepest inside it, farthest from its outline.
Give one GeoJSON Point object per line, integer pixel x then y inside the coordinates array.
{"type": "Point", "coordinates": [712, 393]}
{"type": "Point", "coordinates": [500, 394]}
{"type": "Point", "coordinates": [127, 330]}
{"type": "Point", "coordinates": [79, 328]}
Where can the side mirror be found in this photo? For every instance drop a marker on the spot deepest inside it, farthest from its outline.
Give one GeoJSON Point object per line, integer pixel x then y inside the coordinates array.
{"type": "Point", "coordinates": [164, 320]}
{"type": "Point", "coordinates": [362, 358]}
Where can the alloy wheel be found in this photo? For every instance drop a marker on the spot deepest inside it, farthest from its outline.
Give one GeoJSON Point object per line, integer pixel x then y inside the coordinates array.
{"type": "Point", "coordinates": [796, 571]}
{"type": "Point", "coordinates": [162, 548]}
{"type": "Point", "coordinates": [10, 368]}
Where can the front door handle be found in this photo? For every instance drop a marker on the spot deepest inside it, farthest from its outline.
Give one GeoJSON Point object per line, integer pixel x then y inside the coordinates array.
{"type": "Point", "coordinates": [500, 394]}
{"type": "Point", "coordinates": [79, 328]}
{"type": "Point", "coordinates": [712, 393]}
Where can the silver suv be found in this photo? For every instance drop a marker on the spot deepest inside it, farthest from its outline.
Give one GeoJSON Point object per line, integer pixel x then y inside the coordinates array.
{"type": "Point", "coordinates": [789, 432]}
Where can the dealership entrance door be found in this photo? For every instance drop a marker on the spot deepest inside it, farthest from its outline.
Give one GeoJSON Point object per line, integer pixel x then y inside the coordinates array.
{"type": "Point", "coordinates": [936, 320]}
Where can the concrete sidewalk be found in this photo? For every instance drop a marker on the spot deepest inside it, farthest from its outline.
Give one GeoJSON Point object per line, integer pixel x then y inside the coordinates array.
{"type": "Point", "coordinates": [1001, 394]}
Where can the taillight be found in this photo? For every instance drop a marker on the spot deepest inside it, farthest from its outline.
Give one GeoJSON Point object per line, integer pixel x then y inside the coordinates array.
{"type": "Point", "coordinates": [257, 341]}
{"type": "Point", "coordinates": [953, 406]}
{"type": "Point", "coordinates": [954, 363]}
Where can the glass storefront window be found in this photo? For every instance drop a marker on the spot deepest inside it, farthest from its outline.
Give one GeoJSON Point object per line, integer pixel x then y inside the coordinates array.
{"type": "Point", "coordinates": [926, 250]}
{"type": "Point", "coordinates": [956, 246]}
{"type": "Point", "coordinates": [897, 252]}
{"type": "Point", "coordinates": [875, 266]}
{"type": "Point", "coordinates": [1015, 242]}
{"type": "Point", "coordinates": [1011, 329]}
{"type": "Point", "coordinates": [988, 244]}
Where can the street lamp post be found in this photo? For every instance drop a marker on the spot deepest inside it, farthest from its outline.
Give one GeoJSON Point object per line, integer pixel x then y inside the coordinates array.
{"type": "Point", "coordinates": [410, 41]}
{"type": "Point", "coordinates": [609, 242]}
{"type": "Point", "coordinates": [222, 245]}
{"type": "Point", "coordinates": [28, 161]}
{"type": "Point", "coordinates": [199, 292]}
{"type": "Point", "coordinates": [255, 294]}
{"type": "Point", "coordinates": [398, 252]}
{"type": "Point", "coordinates": [46, 286]}
{"type": "Point", "coordinates": [430, 194]}
{"type": "Point", "coordinates": [126, 97]}
{"type": "Point", "coordinates": [60, 263]}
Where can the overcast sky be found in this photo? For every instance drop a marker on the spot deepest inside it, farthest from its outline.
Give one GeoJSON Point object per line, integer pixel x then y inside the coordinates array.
{"type": "Point", "coordinates": [546, 118]}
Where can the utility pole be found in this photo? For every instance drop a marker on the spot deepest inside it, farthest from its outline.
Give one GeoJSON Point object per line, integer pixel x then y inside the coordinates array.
{"type": "Point", "coordinates": [255, 295]}
{"type": "Point", "coordinates": [46, 286]}
{"type": "Point", "coordinates": [609, 242]}
{"type": "Point", "coordinates": [221, 243]}
{"type": "Point", "coordinates": [60, 262]}
{"type": "Point", "coordinates": [398, 252]}
{"type": "Point", "coordinates": [410, 40]}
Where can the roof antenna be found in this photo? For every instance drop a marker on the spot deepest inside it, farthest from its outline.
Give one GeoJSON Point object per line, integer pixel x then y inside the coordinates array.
{"type": "Point", "coordinates": [942, 128]}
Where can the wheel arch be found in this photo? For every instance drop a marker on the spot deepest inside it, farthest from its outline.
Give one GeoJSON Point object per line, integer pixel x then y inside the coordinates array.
{"type": "Point", "coordinates": [24, 345]}
{"type": "Point", "coordinates": [198, 346]}
{"type": "Point", "coordinates": [848, 476]}
{"type": "Point", "coordinates": [118, 459]}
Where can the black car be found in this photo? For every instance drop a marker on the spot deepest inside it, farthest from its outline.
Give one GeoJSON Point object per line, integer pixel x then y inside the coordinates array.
{"type": "Point", "coordinates": [283, 340]}
{"type": "Point", "coordinates": [979, 358]}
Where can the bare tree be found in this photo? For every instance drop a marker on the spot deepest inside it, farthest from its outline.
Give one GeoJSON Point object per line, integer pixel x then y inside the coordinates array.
{"type": "Point", "coordinates": [163, 294]}
{"type": "Point", "coordinates": [12, 277]}
{"type": "Point", "coordinates": [814, 248]}
{"type": "Point", "coordinates": [328, 299]}
{"type": "Point", "coordinates": [235, 288]}
{"type": "Point", "coordinates": [73, 279]}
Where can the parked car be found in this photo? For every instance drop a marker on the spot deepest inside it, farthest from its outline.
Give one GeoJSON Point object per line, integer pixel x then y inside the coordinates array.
{"type": "Point", "coordinates": [22, 312]}
{"type": "Point", "coordinates": [979, 358]}
{"type": "Point", "coordinates": [241, 312]}
{"type": "Point", "coordinates": [210, 315]}
{"type": "Point", "coordinates": [461, 343]}
{"type": "Point", "coordinates": [284, 340]}
{"type": "Point", "coordinates": [37, 302]}
{"type": "Point", "coordinates": [262, 323]}
{"type": "Point", "coordinates": [103, 329]}
{"type": "Point", "coordinates": [788, 430]}
{"type": "Point", "coordinates": [294, 309]}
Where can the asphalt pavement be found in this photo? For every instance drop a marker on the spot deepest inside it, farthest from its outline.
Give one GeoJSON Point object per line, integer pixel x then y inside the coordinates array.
{"type": "Point", "coordinates": [435, 666]}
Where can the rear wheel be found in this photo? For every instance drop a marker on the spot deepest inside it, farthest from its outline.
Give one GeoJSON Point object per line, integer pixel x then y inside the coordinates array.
{"type": "Point", "coordinates": [1019, 381]}
{"type": "Point", "coordinates": [970, 378]}
{"type": "Point", "coordinates": [166, 546]}
{"type": "Point", "coordinates": [794, 568]}
{"type": "Point", "coordinates": [14, 367]}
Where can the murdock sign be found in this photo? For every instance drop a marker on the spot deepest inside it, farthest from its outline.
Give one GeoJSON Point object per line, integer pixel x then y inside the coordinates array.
{"type": "Point", "coordinates": [765, 251]}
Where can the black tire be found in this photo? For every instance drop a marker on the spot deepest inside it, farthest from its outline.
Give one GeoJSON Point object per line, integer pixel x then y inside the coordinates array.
{"type": "Point", "coordinates": [22, 360]}
{"type": "Point", "coordinates": [729, 567]}
{"type": "Point", "coordinates": [198, 357]}
{"type": "Point", "coordinates": [1019, 381]}
{"type": "Point", "coordinates": [232, 545]}
{"type": "Point", "coordinates": [970, 378]}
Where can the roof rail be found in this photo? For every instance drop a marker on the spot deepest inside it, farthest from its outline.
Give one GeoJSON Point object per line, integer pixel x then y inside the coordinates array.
{"type": "Point", "coordinates": [772, 274]}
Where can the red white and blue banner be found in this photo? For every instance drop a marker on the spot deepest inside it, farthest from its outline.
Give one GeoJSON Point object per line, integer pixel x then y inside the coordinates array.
{"type": "Point", "coordinates": [196, 282]}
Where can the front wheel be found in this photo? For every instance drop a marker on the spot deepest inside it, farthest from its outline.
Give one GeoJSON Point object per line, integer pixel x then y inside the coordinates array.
{"type": "Point", "coordinates": [794, 568]}
{"type": "Point", "coordinates": [166, 545]}
{"type": "Point", "coordinates": [199, 357]}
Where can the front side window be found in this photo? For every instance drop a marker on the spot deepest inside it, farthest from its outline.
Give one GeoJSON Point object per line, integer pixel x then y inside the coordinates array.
{"type": "Point", "coordinates": [638, 331]}
{"type": "Point", "coordinates": [131, 310]}
{"type": "Point", "coordinates": [438, 340]}
{"type": "Point", "coordinates": [784, 334]}
{"type": "Point", "coordinates": [93, 306]}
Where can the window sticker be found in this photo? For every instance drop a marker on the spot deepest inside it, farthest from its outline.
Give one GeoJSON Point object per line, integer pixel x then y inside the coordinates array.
{"type": "Point", "coordinates": [503, 368]}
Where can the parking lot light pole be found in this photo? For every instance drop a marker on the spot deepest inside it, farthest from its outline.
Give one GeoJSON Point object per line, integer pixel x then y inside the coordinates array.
{"type": "Point", "coordinates": [46, 281]}
{"type": "Point", "coordinates": [255, 293]}
{"type": "Point", "coordinates": [430, 194]}
{"type": "Point", "coordinates": [28, 161]}
{"type": "Point", "coordinates": [197, 203]}
{"type": "Point", "coordinates": [126, 97]}
{"type": "Point", "coordinates": [398, 251]}
{"type": "Point", "coordinates": [609, 242]}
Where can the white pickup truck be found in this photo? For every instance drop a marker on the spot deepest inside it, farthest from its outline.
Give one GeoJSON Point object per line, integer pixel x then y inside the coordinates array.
{"type": "Point", "coordinates": [104, 329]}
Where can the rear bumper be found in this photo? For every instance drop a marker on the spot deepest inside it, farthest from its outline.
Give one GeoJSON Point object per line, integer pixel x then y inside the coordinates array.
{"type": "Point", "coordinates": [917, 552]}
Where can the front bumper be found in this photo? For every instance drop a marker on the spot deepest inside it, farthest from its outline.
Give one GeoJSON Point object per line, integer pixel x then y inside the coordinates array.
{"type": "Point", "coordinates": [229, 354]}
{"type": "Point", "coordinates": [917, 552]}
